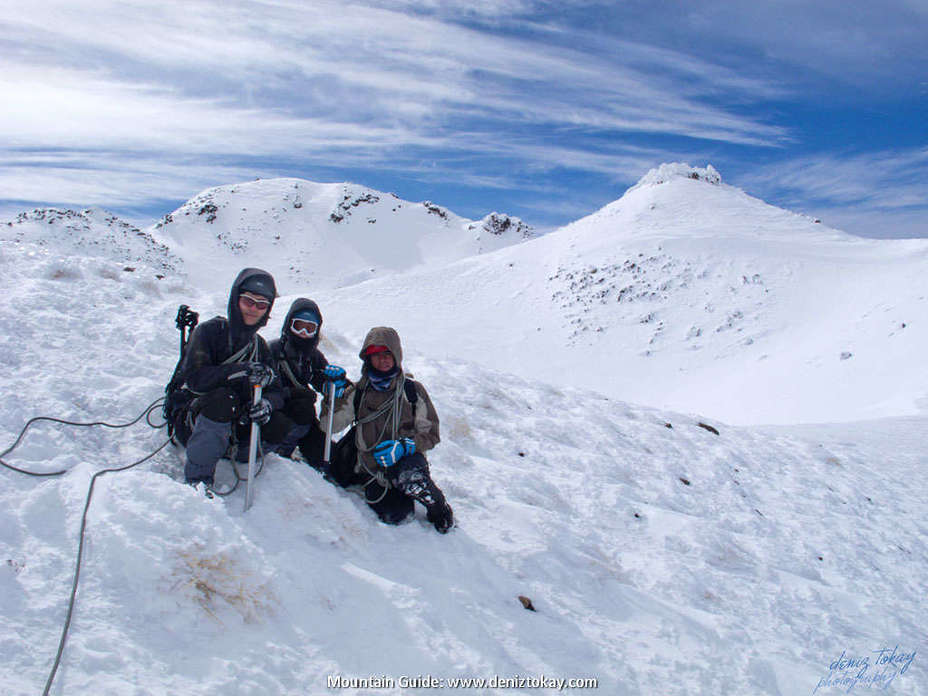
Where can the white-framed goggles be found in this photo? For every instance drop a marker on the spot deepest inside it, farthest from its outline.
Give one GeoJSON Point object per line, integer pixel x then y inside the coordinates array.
{"type": "Point", "coordinates": [304, 328]}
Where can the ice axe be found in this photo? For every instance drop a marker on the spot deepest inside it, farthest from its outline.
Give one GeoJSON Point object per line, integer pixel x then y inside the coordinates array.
{"type": "Point", "coordinates": [252, 452]}
{"type": "Point", "coordinates": [327, 450]}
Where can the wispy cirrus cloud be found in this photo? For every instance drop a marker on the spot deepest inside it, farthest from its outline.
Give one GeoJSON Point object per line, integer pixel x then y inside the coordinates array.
{"type": "Point", "coordinates": [874, 194]}
{"type": "Point", "coordinates": [116, 181]}
{"type": "Point", "coordinates": [491, 96]}
{"type": "Point", "coordinates": [885, 179]}
{"type": "Point", "coordinates": [352, 64]}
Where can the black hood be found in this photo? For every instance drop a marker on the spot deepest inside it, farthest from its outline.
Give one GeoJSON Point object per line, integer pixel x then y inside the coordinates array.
{"type": "Point", "coordinates": [236, 325]}
{"type": "Point", "coordinates": [294, 344]}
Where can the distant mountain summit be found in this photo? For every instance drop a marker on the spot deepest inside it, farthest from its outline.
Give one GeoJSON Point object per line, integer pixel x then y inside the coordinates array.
{"type": "Point", "coordinates": [677, 170]}
{"type": "Point", "coordinates": [687, 293]}
{"type": "Point", "coordinates": [314, 234]}
{"type": "Point", "coordinates": [92, 232]}
{"type": "Point", "coordinates": [678, 200]}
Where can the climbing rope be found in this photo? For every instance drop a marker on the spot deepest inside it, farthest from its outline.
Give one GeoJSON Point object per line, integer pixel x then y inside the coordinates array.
{"type": "Point", "coordinates": [151, 408]}
{"type": "Point", "coordinates": [146, 414]}
{"type": "Point", "coordinates": [80, 554]}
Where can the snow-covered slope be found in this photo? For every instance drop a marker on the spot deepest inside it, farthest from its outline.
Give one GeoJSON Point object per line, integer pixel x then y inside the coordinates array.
{"type": "Point", "coordinates": [661, 558]}
{"type": "Point", "coordinates": [319, 235]}
{"type": "Point", "coordinates": [91, 233]}
{"type": "Point", "coordinates": [687, 294]}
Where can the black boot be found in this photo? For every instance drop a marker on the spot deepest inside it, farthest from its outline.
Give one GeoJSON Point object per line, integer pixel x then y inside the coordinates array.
{"type": "Point", "coordinates": [442, 517]}
{"type": "Point", "coordinates": [411, 476]}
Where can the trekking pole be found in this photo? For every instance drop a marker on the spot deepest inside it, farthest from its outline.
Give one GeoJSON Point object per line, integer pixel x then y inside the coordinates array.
{"type": "Point", "coordinates": [328, 427]}
{"type": "Point", "coordinates": [252, 452]}
{"type": "Point", "coordinates": [186, 321]}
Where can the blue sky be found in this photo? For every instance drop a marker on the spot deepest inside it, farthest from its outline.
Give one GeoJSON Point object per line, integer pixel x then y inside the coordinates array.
{"type": "Point", "coordinates": [545, 110]}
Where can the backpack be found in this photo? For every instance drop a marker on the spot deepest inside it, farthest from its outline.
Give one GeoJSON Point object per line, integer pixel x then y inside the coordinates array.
{"type": "Point", "coordinates": [176, 399]}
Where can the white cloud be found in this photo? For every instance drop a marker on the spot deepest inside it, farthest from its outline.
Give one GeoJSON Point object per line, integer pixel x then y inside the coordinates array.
{"type": "Point", "coordinates": [855, 41]}
{"type": "Point", "coordinates": [71, 109]}
{"type": "Point", "coordinates": [878, 179]}
{"type": "Point", "coordinates": [171, 91]}
{"type": "Point", "coordinates": [351, 64]}
{"type": "Point", "coordinates": [113, 181]}
{"type": "Point", "coordinates": [864, 222]}
{"type": "Point", "coordinates": [879, 194]}
{"type": "Point", "coordinates": [318, 84]}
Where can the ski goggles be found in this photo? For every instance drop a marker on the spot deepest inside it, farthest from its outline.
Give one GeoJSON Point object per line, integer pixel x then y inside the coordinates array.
{"type": "Point", "coordinates": [254, 302]}
{"type": "Point", "coordinates": [303, 328]}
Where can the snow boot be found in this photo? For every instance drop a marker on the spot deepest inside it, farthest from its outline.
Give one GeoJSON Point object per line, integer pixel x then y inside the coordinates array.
{"type": "Point", "coordinates": [412, 478]}
{"type": "Point", "coordinates": [442, 517]}
{"type": "Point", "coordinates": [203, 487]}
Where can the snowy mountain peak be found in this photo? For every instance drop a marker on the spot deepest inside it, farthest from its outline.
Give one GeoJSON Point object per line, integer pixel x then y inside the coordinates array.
{"type": "Point", "coordinates": [686, 294]}
{"type": "Point", "coordinates": [676, 170]}
{"type": "Point", "coordinates": [308, 233]}
{"type": "Point", "coordinates": [500, 225]}
{"type": "Point", "coordinates": [680, 201]}
{"type": "Point", "coordinates": [496, 231]}
{"type": "Point", "coordinates": [222, 206]}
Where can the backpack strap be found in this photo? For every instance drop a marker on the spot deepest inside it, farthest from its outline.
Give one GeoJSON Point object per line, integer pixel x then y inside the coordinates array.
{"type": "Point", "coordinates": [409, 389]}
{"type": "Point", "coordinates": [287, 371]}
{"type": "Point", "coordinates": [412, 396]}
{"type": "Point", "coordinates": [390, 408]}
{"type": "Point", "coordinates": [248, 353]}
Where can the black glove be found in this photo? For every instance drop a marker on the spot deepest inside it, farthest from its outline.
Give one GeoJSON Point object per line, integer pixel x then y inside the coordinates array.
{"type": "Point", "coordinates": [260, 412]}
{"type": "Point", "coordinates": [260, 374]}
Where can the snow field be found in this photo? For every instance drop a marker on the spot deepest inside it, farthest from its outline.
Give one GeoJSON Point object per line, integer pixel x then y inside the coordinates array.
{"type": "Point", "coordinates": [571, 499]}
{"type": "Point", "coordinates": [660, 559]}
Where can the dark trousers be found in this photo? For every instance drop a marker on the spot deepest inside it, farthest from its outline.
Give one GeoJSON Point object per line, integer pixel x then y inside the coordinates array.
{"type": "Point", "coordinates": [409, 480]}
{"type": "Point", "coordinates": [300, 427]}
{"type": "Point", "coordinates": [207, 432]}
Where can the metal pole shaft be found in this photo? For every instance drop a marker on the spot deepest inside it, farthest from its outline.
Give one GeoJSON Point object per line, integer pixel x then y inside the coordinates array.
{"type": "Point", "coordinates": [252, 453]}
{"type": "Point", "coordinates": [328, 425]}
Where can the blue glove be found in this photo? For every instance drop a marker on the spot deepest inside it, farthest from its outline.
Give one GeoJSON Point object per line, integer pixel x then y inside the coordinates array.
{"type": "Point", "coordinates": [333, 372]}
{"type": "Point", "coordinates": [410, 445]}
{"type": "Point", "coordinates": [260, 412]}
{"type": "Point", "coordinates": [335, 377]}
{"type": "Point", "coordinates": [340, 386]}
{"type": "Point", "coordinates": [389, 452]}
{"type": "Point", "coordinates": [260, 374]}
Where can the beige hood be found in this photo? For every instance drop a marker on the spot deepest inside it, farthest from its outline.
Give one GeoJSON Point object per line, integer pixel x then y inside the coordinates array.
{"type": "Point", "coordinates": [384, 336]}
